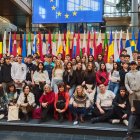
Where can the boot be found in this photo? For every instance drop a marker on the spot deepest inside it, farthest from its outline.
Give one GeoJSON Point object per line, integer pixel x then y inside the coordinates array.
{"type": "Point", "coordinates": [76, 118]}
{"type": "Point", "coordinates": [61, 117]}
{"type": "Point", "coordinates": [26, 117]}
{"type": "Point", "coordinates": [94, 120]}
{"type": "Point", "coordinates": [128, 137]}
{"type": "Point", "coordinates": [81, 119]}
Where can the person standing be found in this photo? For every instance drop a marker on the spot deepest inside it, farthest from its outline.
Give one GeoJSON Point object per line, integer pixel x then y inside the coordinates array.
{"type": "Point", "coordinates": [109, 66]}
{"type": "Point", "coordinates": [18, 73]}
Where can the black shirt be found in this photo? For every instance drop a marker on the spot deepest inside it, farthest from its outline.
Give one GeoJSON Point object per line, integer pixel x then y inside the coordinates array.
{"type": "Point", "coordinates": [29, 68]}
{"type": "Point", "coordinates": [79, 77]}
{"type": "Point", "coordinates": [34, 68]}
{"type": "Point", "coordinates": [122, 77]}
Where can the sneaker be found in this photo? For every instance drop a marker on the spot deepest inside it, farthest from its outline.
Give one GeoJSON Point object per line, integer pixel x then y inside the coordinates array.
{"type": "Point", "coordinates": [37, 106]}
{"type": "Point", "coordinates": [115, 121]}
{"type": "Point", "coordinates": [128, 137]}
{"type": "Point", "coordinates": [94, 120]}
{"type": "Point", "coordinates": [125, 122]}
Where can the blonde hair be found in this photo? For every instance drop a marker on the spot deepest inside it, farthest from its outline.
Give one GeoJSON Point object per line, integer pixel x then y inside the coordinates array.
{"type": "Point", "coordinates": [83, 92]}
{"type": "Point", "coordinates": [55, 66]}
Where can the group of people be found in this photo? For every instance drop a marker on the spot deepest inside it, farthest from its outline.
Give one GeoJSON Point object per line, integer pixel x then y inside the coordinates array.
{"type": "Point", "coordinates": [75, 87]}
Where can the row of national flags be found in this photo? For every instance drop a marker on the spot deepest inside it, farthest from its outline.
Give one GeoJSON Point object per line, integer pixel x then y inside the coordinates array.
{"type": "Point", "coordinates": [114, 48]}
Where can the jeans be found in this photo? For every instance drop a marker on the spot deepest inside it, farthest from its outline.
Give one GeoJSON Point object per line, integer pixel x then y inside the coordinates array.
{"type": "Point", "coordinates": [114, 87]}
{"type": "Point", "coordinates": [71, 90]}
{"type": "Point", "coordinates": [55, 85]}
{"type": "Point", "coordinates": [79, 110]}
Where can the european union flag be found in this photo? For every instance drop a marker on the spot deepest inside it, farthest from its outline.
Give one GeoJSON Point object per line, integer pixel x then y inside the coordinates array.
{"type": "Point", "coordinates": [67, 11]}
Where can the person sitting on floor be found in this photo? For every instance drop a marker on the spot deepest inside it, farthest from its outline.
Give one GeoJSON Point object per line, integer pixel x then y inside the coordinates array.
{"type": "Point", "coordinates": [26, 101]}
{"type": "Point", "coordinates": [104, 109]}
{"type": "Point", "coordinates": [46, 101]}
{"type": "Point", "coordinates": [79, 104]}
{"type": "Point", "coordinates": [121, 107]}
{"type": "Point", "coordinates": [61, 103]}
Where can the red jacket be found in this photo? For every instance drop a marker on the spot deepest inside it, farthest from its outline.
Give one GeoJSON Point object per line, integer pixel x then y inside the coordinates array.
{"type": "Point", "coordinates": [103, 73]}
{"type": "Point", "coordinates": [49, 97]}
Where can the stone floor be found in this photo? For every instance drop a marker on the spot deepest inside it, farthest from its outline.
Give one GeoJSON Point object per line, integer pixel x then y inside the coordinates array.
{"type": "Point", "coordinates": [19, 135]}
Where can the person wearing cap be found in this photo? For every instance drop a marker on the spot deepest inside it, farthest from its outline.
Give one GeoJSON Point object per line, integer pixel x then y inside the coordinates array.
{"type": "Point", "coordinates": [132, 83]}
{"type": "Point", "coordinates": [46, 101]}
{"type": "Point", "coordinates": [6, 73]}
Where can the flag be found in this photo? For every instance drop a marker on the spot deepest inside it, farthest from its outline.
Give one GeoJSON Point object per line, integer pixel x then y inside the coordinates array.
{"type": "Point", "coordinates": [111, 47]}
{"type": "Point", "coordinates": [94, 47]}
{"type": "Point", "coordinates": [116, 50]}
{"type": "Point", "coordinates": [64, 46]}
{"type": "Point", "coordinates": [0, 46]}
{"type": "Point", "coordinates": [34, 43]}
{"type": "Point", "coordinates": [81, 53]}
{"type": "Point", "coordinates": [54, 45]}
{"type": "Point", "coordinates": [78, 45]}
{"type": "Point", "coordinates": [127, 46]}
{"type": "Point", "coordinates": [105, 50]}
{"type": "Point", "coordinates": [10, 45]}
{"type": "Point", "coordinates": [88, 45]}
{"type": "Point", "coordinates": [73, 48]}
{"type": "Point", "coordinates": [138, 43]}
{"type": "Point", "coordinates": [15, 45]}
{"type": "Point", "coordinates": [29, 44]}
{"type": "Point", "coordinates": [133, 42]}
{"type": "Point", "coordinates": [59, 47]}
{"type": "Point", "coordinates": [84, 44]}
{"type": "Point", "coordinates": [4, 43]}
{"type": "Point", "coordinates": [20, 44]}
{"type": "Point", "coordinates": [40, 47]}
{"type": "Point", "coordinates": [24, 47]}
{"type": "Point", "coordinates": [99, 48]}
{"type": "Point", "coordinates": [49, 44]}
{"type": "Point", "coordinates": [68, 45]}
{"type": "Point", "coordinates": [120, 43]}
{"type": "Point", "coordinates": [44, 45]}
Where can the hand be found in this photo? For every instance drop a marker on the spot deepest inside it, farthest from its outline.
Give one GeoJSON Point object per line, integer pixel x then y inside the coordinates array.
{"type": "Point", "coordinates": [124, 116]}
{"type": "Point", "coordinates": [58, 110]}
{"type": "Point", "coordinates": [132, 110]}
{"type": "Point", "coordinates": [91, 91]}
{"type": "Point", "coordinates": [109, 104]}
{"type": "Point", "coordinates": [101, 111]}
{"type": "Point", "coordinates": [74, 105]}
{"type": "Point", "coordinates": [20, 83]}
{"type": "Point", "coordinates": [68, 86]}
{"type": "Point", "coordinates": [25, 81]}
{"type": "Point", "coordinates": [61, 111]}
{"type": "Point", "coordinates": [122, 105]}
{"type": "Point", "coordinates": [42, 82]}
{"type": "Point", "coordinates": [87, 90]}
{"type": "Point", "coordinates": [33, 84]}
{"type": "Point", "coordinates": [83, 83]}
{"type": "Point", "coordinates": [24, 105]}
{"type": "Point", "coordinates": [0, 86]}
{"type": "Point", "coordinates": [132, 92]}
{"type": "Point", "coordinates": [44, 105]}
{"type": "Point", "coordinates": [87, 106]}
{"type": "Point", "coordinates": [16, 82]}
{"type": "Point", "coordinates": [11, 104]}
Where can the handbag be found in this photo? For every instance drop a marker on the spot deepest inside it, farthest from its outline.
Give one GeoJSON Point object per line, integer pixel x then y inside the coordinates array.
{"type": "Point", "coordinates": [37, 113]}
{"type": "Point", "coordinates": [13, 112]}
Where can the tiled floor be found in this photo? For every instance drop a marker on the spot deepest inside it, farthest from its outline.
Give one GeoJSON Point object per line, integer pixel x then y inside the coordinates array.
{"type": "Point", "coordinates": [18, 135]}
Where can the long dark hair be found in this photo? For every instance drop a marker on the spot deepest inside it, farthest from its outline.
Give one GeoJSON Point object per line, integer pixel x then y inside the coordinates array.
{"type": "Point", "coordinates": [66, 69]}
{"type": "Point", "coordinates": [86, 71]}
{"type": "Point", "coordinates": [118, 68]}
{"type": "Point", "coordinates": [38, 67]}
{"type": "Point", "coordinates": [85, 60]}
{"type": "Point", "coordinates": [79, 71]}
{"type": "Point", "coordinates": [99, 61]}
{"type": "Point", "coordinates": [100, 70]}
{"type": "Point", "coordinates": [93, 61]}
{"type": "Point", "coordinates": [61, 56]}
{"type": "Point", "coordinates": [76, 59]}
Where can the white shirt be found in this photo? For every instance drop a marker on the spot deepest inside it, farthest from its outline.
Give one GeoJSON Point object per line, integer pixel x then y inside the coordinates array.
{"type": "Point", "coordinates": [114, 77]}
{"type": "Point", "coordinates": [109, 67]}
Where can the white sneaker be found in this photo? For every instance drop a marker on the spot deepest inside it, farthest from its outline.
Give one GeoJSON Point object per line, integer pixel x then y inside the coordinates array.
{"type": "Point", "coordinates": [37, 106]}
{"type": "Point", "coordinates": [115, 121]}
{"type": "Point", "coordinates": [125, 122]}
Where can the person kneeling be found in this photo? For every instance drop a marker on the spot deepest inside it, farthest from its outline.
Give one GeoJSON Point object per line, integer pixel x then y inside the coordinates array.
{"type": "Point", "coordinates": [46, 101]}
{"type": "Point", "coordinates": [61, 103]}
{"type": "Point", "coordinates": [79, 104]}
{"type": "Point", "coordinates": [121, 107]}
{"type": "Point", "coordinates": [104, 109]}
{"type": "Point", "coordinates": [26, 101]}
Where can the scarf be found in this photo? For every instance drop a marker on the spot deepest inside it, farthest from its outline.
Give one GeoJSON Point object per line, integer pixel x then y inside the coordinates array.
{"type": "Point", "coordinates": [62, 94]}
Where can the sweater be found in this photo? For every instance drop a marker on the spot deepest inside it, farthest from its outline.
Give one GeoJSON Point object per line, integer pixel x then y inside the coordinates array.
{"type": "Point", "coordinates": [120, 100]}
{"type": "Point", "coordinates": [122, 77]}
{"type": "Point", "coordinates": [69, 80]}
{"type": "Point", "coordinates": [66, 98]}
{"type": "Point", "coordinates": [81, 101]}
{"type": "Point", "coordinates": [109, 67]}
{"type": "Point", "coordinates": [114, 77]}
{"type": "Point", "coordinates": [6, 73]}
{"type": "Point", "coordinates": [90, 79]}
{"type": "Point", "coordinates": [11, 97]}
{"type": "Point", "coordinates": [132, 81]}
{"type": "Point", "coordinates": [49, 97]}
{"type": "Point", "coordinates": [79, 78]}
{"type": "Point", "coordinates": [18, 71]}
{"type": "Point", "coordinates": [103, 74]}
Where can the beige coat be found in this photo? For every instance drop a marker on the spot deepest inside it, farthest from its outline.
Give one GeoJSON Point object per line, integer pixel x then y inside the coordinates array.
{"type": "Point", "coordinates": [30, 98]}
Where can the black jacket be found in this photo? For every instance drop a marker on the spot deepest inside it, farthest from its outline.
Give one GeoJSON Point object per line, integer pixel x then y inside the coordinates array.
{"type": "Point", "coordinates": [122, 77]}
{"type": "Point", "coordinates": [0, 76]}
{"type": "Point", "coordinates": [69, 80]}
{"type": "Point", "coordinates": [119, 100]}
{"type": "Point", "coordinates": [29, 68]}
{"type": "Point", "coordinates": [6, 73]}
{"type": "Point", "coordinates": [79, 78]}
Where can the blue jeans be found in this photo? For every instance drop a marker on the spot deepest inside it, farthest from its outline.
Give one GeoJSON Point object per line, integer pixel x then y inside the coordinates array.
{"type": "Point", "coordinates": [55, 85]}
{"type": "Point", "coordinates": [71, 90]}
{"type": "Point", "coordinates": [114, 87]}
{"type": "Point", "coordinates": [79, 110]}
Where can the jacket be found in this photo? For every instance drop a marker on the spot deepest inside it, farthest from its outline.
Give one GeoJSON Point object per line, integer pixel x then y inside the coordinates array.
{"type": "Point", "coordinates": [30, 98]}
{"type": "Point", "coordinates": [122, 77]}
{"type": "Point", "coordinates": [132, 81]}
{"type": "Point", "coordinates": [6, 73]}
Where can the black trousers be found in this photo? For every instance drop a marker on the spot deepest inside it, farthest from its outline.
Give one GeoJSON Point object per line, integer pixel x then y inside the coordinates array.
{"type": "Point", "coordinates": [102, 117]}
{"type": "Point", "coordinates": [119, 112]}
{"type": "Point", "coordinates": [60, 105]}
{"type": "Point", "coordinates": [133, 120]}
{"type": "Point", "coordinates": [37, 92]}
{"type": "Point", "coordinates": [46, 111]}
